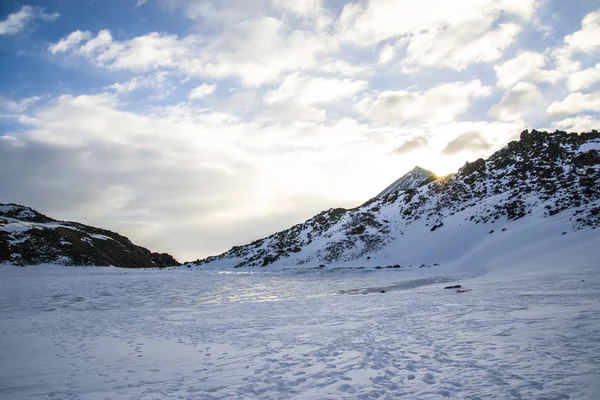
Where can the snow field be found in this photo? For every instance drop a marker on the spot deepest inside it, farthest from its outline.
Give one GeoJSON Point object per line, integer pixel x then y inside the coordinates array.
{"type": "Point", "coordinates": [105, 333]}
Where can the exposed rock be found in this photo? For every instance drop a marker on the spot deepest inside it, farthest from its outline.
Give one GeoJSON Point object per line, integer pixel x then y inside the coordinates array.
{"type": "Point", "coordinates": [28, 238]}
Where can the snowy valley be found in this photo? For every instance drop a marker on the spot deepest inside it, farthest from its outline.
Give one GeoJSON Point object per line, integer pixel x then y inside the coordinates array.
{"type": "Point", "coordinates": [350, 304]}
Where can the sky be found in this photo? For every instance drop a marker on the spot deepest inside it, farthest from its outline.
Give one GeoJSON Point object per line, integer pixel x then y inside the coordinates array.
{"type": "Point", "coordinates": [191, 126]}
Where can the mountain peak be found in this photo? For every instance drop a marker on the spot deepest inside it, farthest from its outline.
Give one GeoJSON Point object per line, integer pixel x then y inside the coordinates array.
{"type": "Point", "coordinates": [411, 180]}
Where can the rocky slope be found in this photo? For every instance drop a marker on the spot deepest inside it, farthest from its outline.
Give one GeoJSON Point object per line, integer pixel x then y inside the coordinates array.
{"type": "Point", "coordinates": [543, 184]}
{"type": "Point", "coordinates": [28, 238]}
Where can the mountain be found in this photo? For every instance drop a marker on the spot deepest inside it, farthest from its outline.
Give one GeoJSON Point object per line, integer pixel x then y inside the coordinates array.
{"type": "Point", "coordinates": [416, 177]}
{"type": "Point", "coordinates": [28, 238]}
{"type": "Point", "coordinates": [545, 185]}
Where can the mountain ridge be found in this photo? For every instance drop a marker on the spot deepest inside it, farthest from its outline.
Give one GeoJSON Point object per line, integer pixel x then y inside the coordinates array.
{"type": "Point", "coordinates": [542, 176]}
{"type": "Point", "coordinates": [28, 237]}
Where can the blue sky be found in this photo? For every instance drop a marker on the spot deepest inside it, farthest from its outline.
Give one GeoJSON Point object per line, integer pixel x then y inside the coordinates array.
{"type": "Point", "coordinates": [194, 125]}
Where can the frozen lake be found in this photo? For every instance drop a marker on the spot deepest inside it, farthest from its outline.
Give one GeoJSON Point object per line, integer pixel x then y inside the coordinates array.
{"type": "Point", "coordinates": [105, 333]}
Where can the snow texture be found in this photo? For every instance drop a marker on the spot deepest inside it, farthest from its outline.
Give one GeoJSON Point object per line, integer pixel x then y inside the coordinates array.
{"type": "Point", "coordinates": [528, 329]}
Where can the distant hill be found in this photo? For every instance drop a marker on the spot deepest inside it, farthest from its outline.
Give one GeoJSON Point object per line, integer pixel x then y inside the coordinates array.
{"type": "Point", "coordinates": [28, 238]}
{"type": "Point", "coordinates": [544, 185]}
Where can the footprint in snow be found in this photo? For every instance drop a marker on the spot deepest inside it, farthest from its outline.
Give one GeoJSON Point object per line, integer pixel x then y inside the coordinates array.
{"type": "Point", "coordinates": [428, 379]}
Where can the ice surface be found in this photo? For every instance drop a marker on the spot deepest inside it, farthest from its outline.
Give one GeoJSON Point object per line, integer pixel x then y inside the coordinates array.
{"type": "Point", "coordinates": [527, 329]}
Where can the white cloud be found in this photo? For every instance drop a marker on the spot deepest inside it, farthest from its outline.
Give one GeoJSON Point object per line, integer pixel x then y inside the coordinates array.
{"type": "Point", "coordinates": [18, 106]}
{"type": "Point", "coordinates": [410, 145]}
{"type": "Point", "coordinates": [311, 90]}
{"type": "Point", "coordinates": [289, 113]}
{"type": "Point", "coordinates": [588, 38]}
{"type": "Point", "coordinates": [344, 68]}
{"type": "Point", "coordinates": [586, 79]}
{"type": "Point", "coordinates": [257, 51]}
{"type": "Point", "coordinates": [157, 82]}
{"type": "Point", "coordinates": [574, 104]}
{"type": "Point", "coordinates": [202, 91]}
{"type": "Point", "coordinates": [467, 142]}
{"type": "Point", "coordinates": [527, 66]}
{"type": "Point", "coordinates": [99, 44]}
{"type": "Point", "coordinates": [585, 40]}
{"type": "Point", "coordinates": [581, 123]}
{"type": "Point", "coordinates": [17, 21]}
{"type": "Point", "coordinates": [310, 9]}
{"type": "Point", "coordinates": [386, 54]}
{"type": "Point", "coordinates": [440, 104]}
{"type": "Point", "coordinates": [519, 101]}
{"type": "Point", "coordinates": [69, 42]}
{"type": "Point", "coordinates": [458, 46]}
{"type": "Point", "coordinates": [147, 52]}
{"type": "Point", "coordinates": [437, 33]}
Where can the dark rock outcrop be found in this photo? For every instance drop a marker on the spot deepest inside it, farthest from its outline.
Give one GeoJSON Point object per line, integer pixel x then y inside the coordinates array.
{"type": "Point", "coordinates": [28, 238]}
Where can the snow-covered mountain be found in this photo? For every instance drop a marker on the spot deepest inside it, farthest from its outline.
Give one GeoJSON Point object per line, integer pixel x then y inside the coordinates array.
{"type": "Point", "coordinates": [544, 186]}
{"type": "Point", "coordinates": [28, 237]}
{"type": "Point", "coordinates": [416, 177]}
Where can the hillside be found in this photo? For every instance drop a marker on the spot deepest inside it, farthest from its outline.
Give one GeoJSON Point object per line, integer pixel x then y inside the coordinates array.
{"type": "Point", "coordinates": [28, 238]}
{"type": "Point", "coordinates": [544, 185]}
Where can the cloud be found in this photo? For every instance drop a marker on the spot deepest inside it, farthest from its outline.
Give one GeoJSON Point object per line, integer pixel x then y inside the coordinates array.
{"type": "Point", "coordinates": [256, 51]}
{"type": "Point", "coordinates": [574, 104]}
{"type": "Point", "coordinates": [458, 46]}
{"type": "Point", "coordinates": [411, 144]}
{"type": "Point", "coordinates": [371, 23]}
{"type": "Point", "coordinates": [69, 42]}
{"type": "Point", "coordinates": [17, 21]}
{"type": "Point", "coordinates": [19, 106]}
{"type": "Point", "coordinates": [344, 68]}
{"type": "Point", "coordinates": [158, 83]}
{"type": "Point", "coordinates": [310, 90]}
{"type": "Point", "coordinates": [309, 9]}
{"type": "Point", "coordinates": [436, 33]}
{"type": "Point", "coordinates": [440, 104]}
{"type": "Point", "coordinates": [586, 79]}
{"type": "Point", "coordinates": [142, 53]}
{"type": "Point", "coordinates": [517, 102]}
{"type": "Point", "coordinates": [202, 91]}
{"type": "Point", "coordinates": [470, 141]}
{"type": "Point", "coordinates": [386, 54]}
{"type": "Point", "coordinates": [585, 40]}
{"type": "Point", "coordinates": [588, 38]}
{"type": "Point", "coordinates": [527, 66]}
{"type": "Point", "coordinates": [580, 123]}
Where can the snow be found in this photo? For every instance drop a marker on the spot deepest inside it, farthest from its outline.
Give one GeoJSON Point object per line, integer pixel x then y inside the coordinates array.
{"type": "Point", "coordinates": [527, 329]}
{"type": "Point", "coordinates": [24, 213]}
{"type": "Point", "coordinates": [6, 208]}
{"type": "Point", "coordinates": [101, 237]}
{"type": "Point", "coordinates": [16, 227]}
{"type": "Point", "coordinates": [592, 145]}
